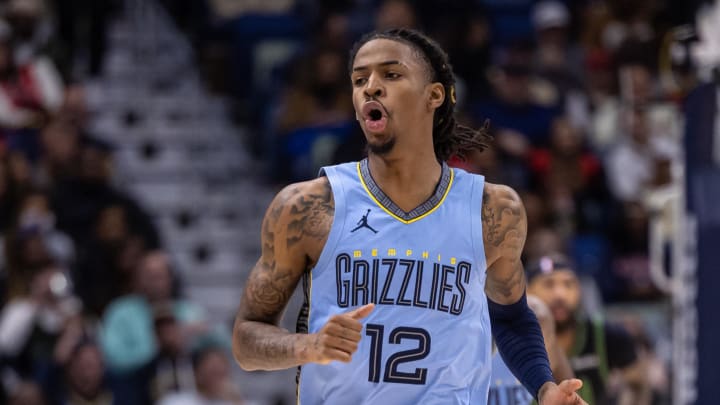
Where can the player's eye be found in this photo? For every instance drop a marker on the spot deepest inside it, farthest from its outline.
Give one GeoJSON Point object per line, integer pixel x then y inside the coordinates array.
{"type": "Point", "coordinates": [392, 75]}
{"type": "Point", "coordinates": [359, 81]}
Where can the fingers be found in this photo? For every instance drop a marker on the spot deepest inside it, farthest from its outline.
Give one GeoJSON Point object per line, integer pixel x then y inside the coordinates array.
{"type": "Point", "coordinates": [339, 338]}
{"type": "Point", "coordinates": [341, 330]}
{"type": "Point", "coordinates": [362, 312]}
{"type": "Point", "coordinates": [337, 343]}
{"type": "Point", "coordinates": [330, 354]}
{"type": "Point", "coordinates": [346, 322]}
{"type": "Point", "coordinates": [570, 386]}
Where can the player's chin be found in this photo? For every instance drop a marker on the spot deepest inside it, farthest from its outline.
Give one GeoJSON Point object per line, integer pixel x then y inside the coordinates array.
{"type": "Point", "coordinates": [381, 146]}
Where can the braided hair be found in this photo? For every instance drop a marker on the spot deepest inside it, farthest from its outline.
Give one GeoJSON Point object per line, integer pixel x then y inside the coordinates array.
{"type": "Point", "coordinates": [449, 137]}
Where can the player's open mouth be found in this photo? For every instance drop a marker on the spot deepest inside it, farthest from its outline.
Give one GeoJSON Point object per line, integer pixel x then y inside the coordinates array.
{"type": "Point", "coordinates": [375, 116]}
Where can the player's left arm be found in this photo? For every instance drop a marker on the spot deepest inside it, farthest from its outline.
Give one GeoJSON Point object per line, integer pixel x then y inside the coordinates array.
{"type": "Point", "coordinates": [504, 233]}
{"type": "Point", "coordinates": [514, 325]}
{"type": "Point", "coordinates": [559, 362]}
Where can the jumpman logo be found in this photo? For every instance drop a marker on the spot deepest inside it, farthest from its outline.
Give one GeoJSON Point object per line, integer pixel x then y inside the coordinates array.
{"type": "Point", "coordinates": [363, 223]}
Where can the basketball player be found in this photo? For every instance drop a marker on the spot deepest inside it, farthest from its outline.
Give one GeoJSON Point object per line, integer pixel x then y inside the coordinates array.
{"type": "Point", "coordinates": [595, 347]}
{"type": "Point", "coordinates": [402, 315]}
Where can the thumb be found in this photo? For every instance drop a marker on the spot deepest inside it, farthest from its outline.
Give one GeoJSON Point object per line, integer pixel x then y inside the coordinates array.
{"type": "Point", "coordinates": [570, 386]}
{"type": "Point", "coordinates": [362, 312]}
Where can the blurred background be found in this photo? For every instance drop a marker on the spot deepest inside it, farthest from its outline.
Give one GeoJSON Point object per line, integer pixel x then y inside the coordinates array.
{"type": "Point", "coordinates": [141, 141]}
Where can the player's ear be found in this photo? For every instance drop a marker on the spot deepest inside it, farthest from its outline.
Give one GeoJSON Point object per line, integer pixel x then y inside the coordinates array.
{"type": "Point", "coordinates": [437, 95]}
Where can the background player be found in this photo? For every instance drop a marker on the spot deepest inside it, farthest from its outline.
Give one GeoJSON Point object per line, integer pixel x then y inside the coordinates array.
{"type": "Point", "coordinates": [403, 93]}
{"type": "Point", "coordinates": [595, 348]}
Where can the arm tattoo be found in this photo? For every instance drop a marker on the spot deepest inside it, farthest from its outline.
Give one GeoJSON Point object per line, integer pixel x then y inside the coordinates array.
{"type": "Point", "coordinates": [266, 290]}
{"type": "Point", "coordinates": [312, 216]}
{"type": "Point", "coordinates": [488, 217]}
{"type": "Point", "coordinates": [296, 224]}
{"type": "Point", "coordinates": [506, 284]}
{"type": "Point", "coordinates": [501, 217]}
{"type": "Point", "coordinates": [504, 231]}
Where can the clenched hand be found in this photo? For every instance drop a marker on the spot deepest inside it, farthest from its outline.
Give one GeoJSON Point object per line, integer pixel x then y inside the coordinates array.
{"type": "Point", "coordinates": [338, 339]}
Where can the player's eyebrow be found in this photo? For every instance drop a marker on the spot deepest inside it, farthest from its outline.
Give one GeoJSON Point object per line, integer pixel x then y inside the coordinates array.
{"type": "Point", "coordinates": [385, 63]}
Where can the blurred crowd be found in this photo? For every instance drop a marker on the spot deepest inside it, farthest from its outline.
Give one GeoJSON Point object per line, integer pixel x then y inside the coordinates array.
{"type": "Point", "coordinates": [584, 99]}
{"type": "Point", "coordinates": [91, 310]}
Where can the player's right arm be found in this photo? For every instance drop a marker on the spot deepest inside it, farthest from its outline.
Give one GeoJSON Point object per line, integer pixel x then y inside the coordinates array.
{"type": "Point", "coordinates": [294, 230]}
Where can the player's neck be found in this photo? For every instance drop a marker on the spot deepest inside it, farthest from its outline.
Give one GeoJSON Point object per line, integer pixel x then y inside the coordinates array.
{"type": "Point", "coordinates": [409, 179]}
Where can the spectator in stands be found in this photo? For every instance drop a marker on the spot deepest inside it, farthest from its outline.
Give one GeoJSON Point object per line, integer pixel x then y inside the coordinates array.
{"type": "Point", "coordinates": [79, 200]}
{"type": "Point", "coordinates": [81, 25]}
{"type": "Point", "coordinates": [31, 26]}
{"type": "Point", "coordinates": [83, 377]}
{"type": "Point", "coordinates": [171, 370]}
{"type": "Point", "coordinates": [213, 383]}
{"type": "Point", "coordinates": [571, 179]}
{"type": "Point", "coordinates": [519, 122]}
{"type": "Point", "coordinates": [314, 116]}
{"type": "Point", "coordinates": [543, 241]}
{"type": "Point", "coordinates": [60, 142]}
{"type": "Point", "coordinates": [27, 393]}
{"type": "Point", "coordinates": [602, 91]}
{"type": "Point", "coordinates": [22, 88]}
{"type": "Point", "coordinates": [658, 389]}
{"type": "Point", "coordinates": [319, 94]}
{"type": "Point", "coordinates": [25, 254]}
{"type": "Point", "coordinates": [106, 260]}
{"type": "Point", "coordinates": [630, 278]}
{"type": "Point", "coordinates": [641, 161]}
{"type": "Point", "coordinates": [472, 57]}
{"type": "Point", "coordinates": [35, 215]}
{"type": "Point", "coordinates": [74, 108]}
{"type": "Point", "coordinates": [31, 325]}
{"type": "Point", "coordinates": [395, 14]}
{"type": "Point", "coordinates": [594, 347]}
{"type": "Point", "coordinates": [30, 91]}
{"type": "Point", "coordinates": [128, 336]}
{"type": "Point", "coordinates": [21, 174]}
{"type": "Point", "coordinates": [558, 62]}
{"type": "Point", "coordinates": [638, 89]}
{"type": "Point", "coordinates": [551, 20]}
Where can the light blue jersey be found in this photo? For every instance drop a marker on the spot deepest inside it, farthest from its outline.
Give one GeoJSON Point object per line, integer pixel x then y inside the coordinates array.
{"type": "Point", "coordinates": [428, 340]}
{"type": "Point", "coordinates": [505, 388]}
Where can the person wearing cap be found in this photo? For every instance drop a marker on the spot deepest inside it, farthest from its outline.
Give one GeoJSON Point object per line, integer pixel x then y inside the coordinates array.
{"type": "Point", "coordinates": [596, 348]}
{"type": "Point", "coordinates": [558, 62]}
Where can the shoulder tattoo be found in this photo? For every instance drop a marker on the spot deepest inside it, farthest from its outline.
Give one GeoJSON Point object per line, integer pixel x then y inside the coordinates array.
{"type": "Point", "coordinates": [311, 215]}
{"type": "Point", "coordinates": [503, 217]}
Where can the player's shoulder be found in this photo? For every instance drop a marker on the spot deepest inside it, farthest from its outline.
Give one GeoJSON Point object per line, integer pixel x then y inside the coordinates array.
{"type": "Point", "coordinates": [303, 192]}
{"type": "Point", "coordinates": [501, 196]}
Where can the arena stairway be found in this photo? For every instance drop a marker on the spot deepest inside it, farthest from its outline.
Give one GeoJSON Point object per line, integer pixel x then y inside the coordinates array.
{"type": "Point", "coordinates": [178, 153]}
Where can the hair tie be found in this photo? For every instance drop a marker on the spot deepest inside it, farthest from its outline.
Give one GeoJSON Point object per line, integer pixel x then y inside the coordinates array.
{"type": "Point", "coordinates": [453, 99]}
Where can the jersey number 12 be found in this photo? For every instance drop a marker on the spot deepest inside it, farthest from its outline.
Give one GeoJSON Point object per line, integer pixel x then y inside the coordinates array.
{"type": "Point", "coordinates": [392, 374]}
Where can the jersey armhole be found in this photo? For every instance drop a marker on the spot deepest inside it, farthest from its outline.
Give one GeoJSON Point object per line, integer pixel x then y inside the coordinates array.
{"type": "Point", "coordinates": [476, 201]}
{"type": "Point", "coordinates": [338, 223]}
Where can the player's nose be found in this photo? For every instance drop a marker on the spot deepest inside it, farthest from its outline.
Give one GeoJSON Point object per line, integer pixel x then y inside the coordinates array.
{"type": "Point", "coordinates": [374, 88]}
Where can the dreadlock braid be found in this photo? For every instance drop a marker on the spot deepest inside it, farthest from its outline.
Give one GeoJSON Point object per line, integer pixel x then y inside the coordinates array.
{"type": "Point", "coordinates": [449, 137]}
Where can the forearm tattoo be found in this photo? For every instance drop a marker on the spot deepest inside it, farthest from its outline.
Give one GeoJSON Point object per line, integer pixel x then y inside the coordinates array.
{"type": "Point", "coordinates": [293, 232]}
